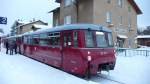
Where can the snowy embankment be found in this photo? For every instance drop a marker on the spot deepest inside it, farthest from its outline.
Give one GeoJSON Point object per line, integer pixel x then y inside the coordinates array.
{"type": "Point", "coordinates": [18, 69]}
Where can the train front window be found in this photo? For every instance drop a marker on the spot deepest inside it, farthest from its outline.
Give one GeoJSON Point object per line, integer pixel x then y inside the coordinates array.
{"type": "Point", "coordinates": [101, 39]}
{"type": "Point", "coordinates": [89, 42]}
{"type": "Point", "coordinates": [110, 40]}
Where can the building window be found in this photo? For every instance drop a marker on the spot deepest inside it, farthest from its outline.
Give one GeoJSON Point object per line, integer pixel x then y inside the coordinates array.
{"type": "Point", "coordinates": [120, 20]}
{"type": "Point", "coordinates": [67, 19]}
{"type": "Point", "coordinates": [108, 1]}
{"type": "Point", "coordinates": [108, 17]}
{"type": "Point", "coordinates": [120, 3]}
{"type": "Point", "coordinates": [129, 24]}
{"type": "Point", "coordinates": [67, 2]}
{"type": "Point", "coordinates": [56, 24]}
{"type": "Point", "coordinates": [129, 8]}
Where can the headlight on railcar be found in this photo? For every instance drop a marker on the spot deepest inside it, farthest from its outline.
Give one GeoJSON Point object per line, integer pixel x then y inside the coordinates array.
{"type": "Point", "coordinates": [89, 58]}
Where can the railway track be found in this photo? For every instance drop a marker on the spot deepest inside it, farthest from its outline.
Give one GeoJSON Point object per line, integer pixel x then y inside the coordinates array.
{"type": "Point", "coordinates": [109, 79]}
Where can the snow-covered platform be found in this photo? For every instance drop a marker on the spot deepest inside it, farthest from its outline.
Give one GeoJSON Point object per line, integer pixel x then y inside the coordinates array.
{"type": "Point", "coordinates": [18, 69]}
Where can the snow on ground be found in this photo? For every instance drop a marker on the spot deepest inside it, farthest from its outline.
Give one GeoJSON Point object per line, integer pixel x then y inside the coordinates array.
{"type": "Point", "coordinates": [18, 69]}
{"type": "Point", "coordinates": [129, 70]}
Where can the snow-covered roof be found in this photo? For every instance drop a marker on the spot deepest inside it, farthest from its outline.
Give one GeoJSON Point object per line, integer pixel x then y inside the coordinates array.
{"type": "Point", "coordinates": [41, 26]}
{"type": "Point", "coordinates": [143, 36]}
{"type": "Point", "coordinates": [74, 27]}
{"type": "Point", "coordinates": [23, 22]}
{"type": "Point", "coordinates": [26, 23]}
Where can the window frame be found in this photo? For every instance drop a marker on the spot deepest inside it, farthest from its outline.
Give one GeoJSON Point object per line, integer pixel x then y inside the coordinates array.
{"type": "Point", "coordinates": [108, 17]}
{"type": "Point", "coordinates": [67, 19]}
{"type": "Point", "coordinates": [108, 1]}
{"type": "Point", "coordinates": [120, 20]}
{"type": "Point", "coordinates": [67, 3]}
{"type": "Point", "coordinates": [53, 36]}
{"type": "Point", "coordinates": [92, 39]}
{"type": "Point", "coordinates": [43, 37]}
{"type": "Point", "coordinates": [25, 39]}
{"type": "Point", "coordinates": [105, 40]}
{"type": "Point", "coordinates": [37, 39]}
{"type": "Point", "coordinates": [120, 3]}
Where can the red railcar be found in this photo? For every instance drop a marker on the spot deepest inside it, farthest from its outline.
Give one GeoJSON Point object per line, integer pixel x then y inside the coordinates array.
{"type": "Point", "coordinates": [76, 48]}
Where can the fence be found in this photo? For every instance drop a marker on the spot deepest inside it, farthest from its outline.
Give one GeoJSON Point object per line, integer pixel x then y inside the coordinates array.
{"type": "Point", "coordinates": [131, 52]}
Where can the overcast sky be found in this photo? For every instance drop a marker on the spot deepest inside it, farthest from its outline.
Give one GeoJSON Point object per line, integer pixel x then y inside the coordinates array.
{"type": "Point", "coordinates": [38, 9]}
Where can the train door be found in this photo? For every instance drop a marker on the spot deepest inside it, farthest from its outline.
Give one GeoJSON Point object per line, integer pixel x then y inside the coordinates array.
{"type": "Point", "coordinates": [27, 47]}
{"type": "Point", "coordinates": [53, 53]}
{"type": "Point", "coordinates": [71, 57]}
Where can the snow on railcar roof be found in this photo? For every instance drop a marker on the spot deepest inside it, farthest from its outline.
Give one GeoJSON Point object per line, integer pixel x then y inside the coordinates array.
{"type": "Point", "coordinates": [41, 26]}
{"type": "Point", "coordinates": [72, 27]}
{"type": "Point", "coordinates": [143, 36]}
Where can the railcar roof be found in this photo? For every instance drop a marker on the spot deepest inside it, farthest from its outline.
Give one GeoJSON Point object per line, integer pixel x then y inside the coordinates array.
{"type": "Point", "coordinates": [73, 27]}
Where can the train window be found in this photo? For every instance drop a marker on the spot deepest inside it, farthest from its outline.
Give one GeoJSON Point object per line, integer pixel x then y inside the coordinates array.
{"type": "Point", "coordinates": [56, 34]}
{"type": "Point", "coordinates": [55, 38]}
{"type": "Point", "coordinates": [44, 40]}
{"type": "Point", "coordinates": [75, 39]}
{"type": "Point", "coordinates": [35, 39]}
{"type": "Point", "coordinates": [65, 39]}
{"type": "Point", "coordinates": [89, 39]}
{"type": "Point", "coordinates": [57, 41]}
{"type": "Point", "coordinates": [69, 39]}
{"type": "Point", "coordinates": [110, 40]}
{"type": "Point", "coordinates": [29, 39]}
{"type": "Point", "coordinates": [101, 39]}
{"type": "Point", "coordinates": [25, 39]}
